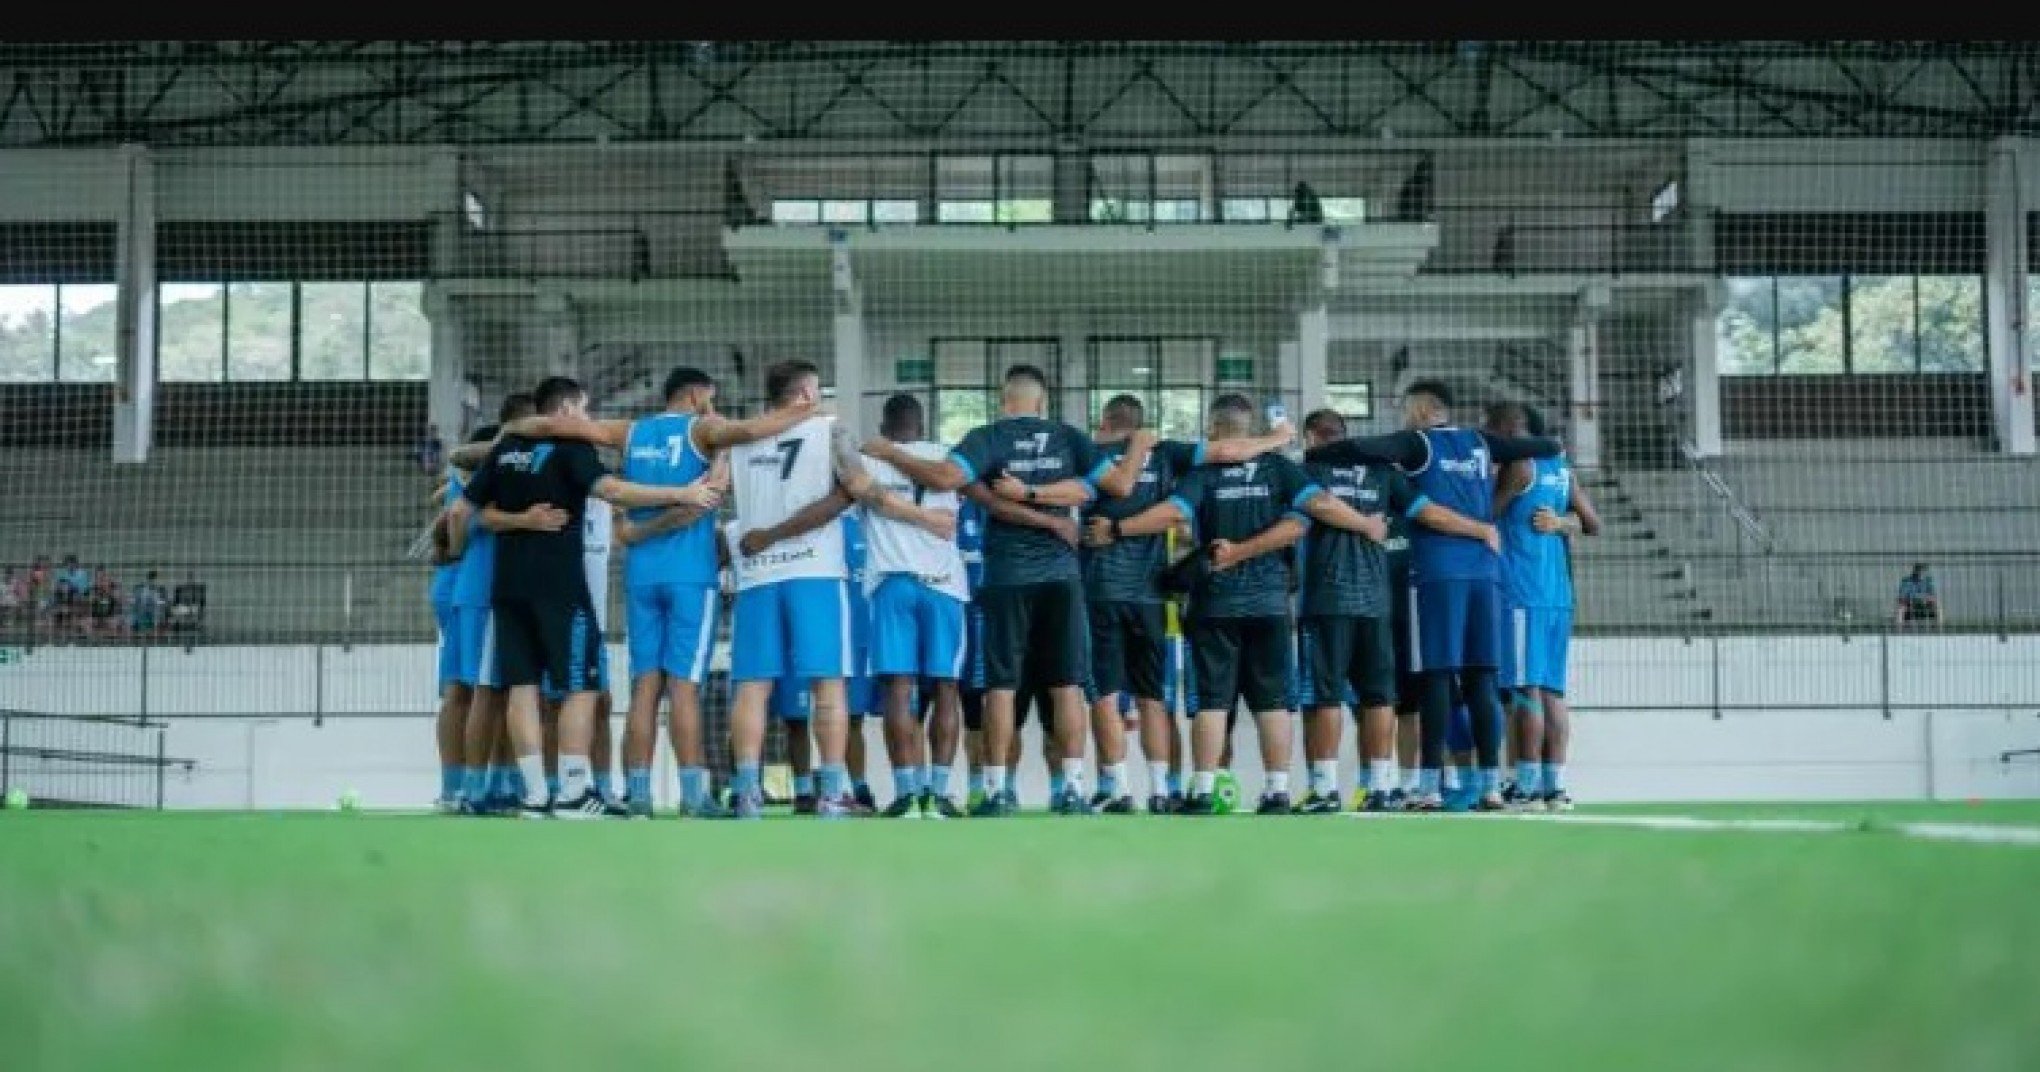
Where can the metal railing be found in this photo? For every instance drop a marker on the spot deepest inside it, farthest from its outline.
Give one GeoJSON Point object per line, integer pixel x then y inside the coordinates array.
{"type": "Point", "coordinates": [86, 761]}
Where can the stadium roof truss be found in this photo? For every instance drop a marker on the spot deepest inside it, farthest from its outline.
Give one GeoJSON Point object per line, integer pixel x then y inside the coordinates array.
{"type": "Point", "coordinates": [327, 93]}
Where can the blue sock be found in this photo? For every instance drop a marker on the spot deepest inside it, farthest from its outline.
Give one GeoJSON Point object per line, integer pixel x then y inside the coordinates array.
{"type": "Point", "coordinates": [694, 785]}
{"type": "Point", "coordinates": [510, 782]}
{"type": "Point", "coordinates": [938, 780]}
{"type": "Point", "coordinates": [1363, 779]}
{"type": "Point", "coordinates": [637, 784]}
{"type": "Point", "coordinates": [1108, 781]}
{"type": "Point", "coordinates": [1490, 779]}
{"type": "Point", "coordinates": [744, 780]}
{"type": "Point", "coordinates": [976, 782]}
{"type": "Point", "coordinates": [1175, 783]}
{"type": "Point", "coordinates": [552, 785]}
{"type": "Point", "coordinates": [1055, 785]}
{"type": "Point", "coordinates": [602, 784]}
{"type": "Point", "coordinates": [832, 779]}
{"type": "Point", "coordinates": [863, 787]}
{"type": "Point", "coordinates": [1526, 776]}
{"type": "Point", "coordinates": [1427, 781]}
{"type": "Point", "coordinates": [803, 785]}
{"type": "Point", "coordinates": [475, 784]}
{"type": "Point", "coordinates": [450, 780]}
{"type": "Point", "coordinates": [907, 781]}
{"type": "Point", "coordinates": [1554, 777]}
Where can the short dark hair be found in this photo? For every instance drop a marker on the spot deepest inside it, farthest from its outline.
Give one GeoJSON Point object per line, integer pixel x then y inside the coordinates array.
{"type": "Point", "coordinates": [684, 378]}
{"type": "Point", "coordinates": [1433, 388]}
{"type": "Point", "coordinates": [485, 433]}
{"type": "Point", "coordinates": [1027, 372]}
{"type": "Point", "coordinates": [555, 391]}
{"type": "Point", "coordinates": [1504, 414]}
{"type": "Point", "coordinates": [1329, 419]}
{"type": "Point", "coordinates": [1233, 406]}
{"type": "Point", "coordinates": [1124, 411]}
{"type": "Point", "coordinates": [1533, 421]}
{"type": "Point", "coordinates": [780, 378]}
{"type": "Point", "coordinates": [901, 412]}
{"type": "Point", "coordinates": [516, 405]}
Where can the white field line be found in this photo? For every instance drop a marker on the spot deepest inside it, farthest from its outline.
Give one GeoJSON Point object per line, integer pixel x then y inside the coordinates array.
{"type": "Point", "coordinates": [1974, 833]}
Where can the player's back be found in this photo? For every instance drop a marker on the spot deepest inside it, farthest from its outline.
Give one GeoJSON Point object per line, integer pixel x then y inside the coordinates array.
{"type": "Point", "coordinates": [526, 473]}
{"type": "Point", "coordinates": [773, 479]}
{"type": "Point", "coordinates": [598, 528]}
{"type": "Point", "coordinates": [899, 547]}
{"type": "Point", "coordinates": [1457, 476]}
{"type": "Point", "coordinates": [1036, 452]}
{"type": "Point", "coordinates": [661, 453]}
{"type": "Point", "coordinates": [1535, 570]}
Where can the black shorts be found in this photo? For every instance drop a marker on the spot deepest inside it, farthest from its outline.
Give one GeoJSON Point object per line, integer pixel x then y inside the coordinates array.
{"type": "Point", "coordinates": [1036, 633]}
{"type": "Point", "coordinates": [1341, 650]}
{"type": "Point", "coordinates": [1242, 659]}
{"type": "Point", "coordinates": [1030, 700]}
{"type": "Point", "coordinates": [1129, 647]}
{"type": "Point", "coordinates": [551, 641]}
{"type": "Point", "coordinates": [1408, 687]}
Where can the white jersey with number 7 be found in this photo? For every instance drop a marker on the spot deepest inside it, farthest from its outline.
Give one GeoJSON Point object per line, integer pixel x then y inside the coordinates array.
{"type": "Point", "coordinates": [774, 479]}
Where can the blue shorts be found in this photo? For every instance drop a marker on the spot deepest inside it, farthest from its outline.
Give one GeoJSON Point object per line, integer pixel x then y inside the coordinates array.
{"type": "Point", "coordinates": [798, 628]}
{"type": "Point", "coordinates": [792, 700]}
{"type": "Point", "coordinates": [973, 648]}
{"type": "Point", "coordinates": [915, 630]}
{"type": "Point", "coordinates": [1458, 624]}
{"type": "Point", "coordinates": [1534, 655]}
{"type": "Point", "coordinates": [464, 646]}
{"type": "Point", "coordinates": [672, 629]}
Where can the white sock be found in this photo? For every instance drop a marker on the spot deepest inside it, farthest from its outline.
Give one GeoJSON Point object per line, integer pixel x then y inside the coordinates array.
{"type": "Point", "coordinates": [1203, 782]}
{"type": "Point", "coordinates": [1324, 776]}
{"type": "Point", "coordinates": [1451, 780]}
{"type": "Point", "coordinates": [1117, 773]}
{"type": "Point", "coordinates": [1278, 781]}
{"type": "Point", "coordinates": [533, 769]}
{"type": "Point", "coordinates": [1409, 778]}
{"type": "Point", "coordinates": [575, 773]}
{"type": "Point", "coordinates": [1158, 779]}
{"type": "Point", "coordinates": [995, 781]}
{"type": "Point", "coordinates": [1073, 776]}
{"type": "Point", "coordinates": [1384, 775]}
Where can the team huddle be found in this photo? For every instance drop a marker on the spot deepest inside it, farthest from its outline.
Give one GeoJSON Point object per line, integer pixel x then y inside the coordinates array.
{"type": "Point", "coordinates": [1111, 585]}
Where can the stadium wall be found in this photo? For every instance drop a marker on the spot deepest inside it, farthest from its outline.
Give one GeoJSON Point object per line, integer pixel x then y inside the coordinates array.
{"type": "Point", "coordinates": [1741, 718]}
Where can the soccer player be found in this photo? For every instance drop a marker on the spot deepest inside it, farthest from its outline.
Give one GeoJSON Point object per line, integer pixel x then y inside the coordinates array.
{"type": "Point", "coordinates": [455, 696]}
{"type": "Point", "coordinates": [858, 693]}
{"type": "Point", "coordinates": [1033, 596]}
{"type": "Point", "coordinates": [1539, 506]}
{"type": "Point", "coordinates": [1457, 615]}
{"type": "Point", "coordinates": [793, 610]}
{"type": "Point", "coordinates": [918, 592]}
{"type": "Point", "coordinates": [534, 495]}
{"type": "Point", "coordinates": [670, 573]}
{"type": "Point", "coordinates": [1346, 626]}
{"type": "Point", "coordinates": [1241, 636]}
{"type": "Point", "coordinates": [1129, 645]}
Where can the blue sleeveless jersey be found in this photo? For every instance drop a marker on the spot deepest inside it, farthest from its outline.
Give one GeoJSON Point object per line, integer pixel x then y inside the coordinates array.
{"type": "Point", "coordinates": [970, 540]}
{"type": "Point", "coordinates": [1459, 478]}
{"type": "Point", "coordinates": [443, 577]}
{"type": "Point", "coordinates": [1535, 570]}
{"type": "Point", "coordinates": [661, 453]}
{"type": "Point", "coordinates": [475, 578]}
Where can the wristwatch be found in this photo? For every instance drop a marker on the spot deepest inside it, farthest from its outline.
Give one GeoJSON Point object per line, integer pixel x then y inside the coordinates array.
{"type": "Point", "coordinates": [1030, 494]}
{"type": "Point", "coordinates": [1112, 526]}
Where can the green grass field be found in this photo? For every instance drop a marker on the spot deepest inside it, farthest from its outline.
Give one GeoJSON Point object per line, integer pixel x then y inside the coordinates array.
{"type": "Point", "coordinates": [151, 941]}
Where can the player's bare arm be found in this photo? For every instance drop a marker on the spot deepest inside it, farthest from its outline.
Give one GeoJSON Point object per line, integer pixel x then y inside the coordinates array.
{"type": "Point", "coordinates": [469, 456]}
{"type": "Point", "coordinates": [457, 516]}
{"type": "Point", "coordinates": [1120, 480]}
{"type": "Point", "coordinates": [1156, 519]}
{"type": "Point", "coordinates": [613, 434]}
{"type": "Point", "coordinates": [1247, 448]}
{"type": "Point", "coordinates": [1012, 513]}
{"type": "Point", "coordinates": [1580, 517]}
{"type": "Point", "coordinates": [620, 492]}
{"type": "Point", "coordinates": [1327, 508]}
{"type": "Point", "coordinates": [938, 475]}
{"type": "Point", "coordinates": [1453, 523]}
{"type": "Point", "coordinates": [1225, 554]}
{"type": "Point", "coordinates": [1061, 493]}
{"type": "Point", "coordinates": [442, 541]}
{"type": "Point", "coordinates": [805, 520]}
{"type": "Point", "coordinates": [713, 433]}
{"type": "Point", "coordinates": [539, 517]}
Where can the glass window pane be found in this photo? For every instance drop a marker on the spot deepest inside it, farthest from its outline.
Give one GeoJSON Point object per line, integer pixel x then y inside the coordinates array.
{"type": "Point", "coordinates": [191, 332]}
{"type": "Point", "coordinates": [1745, 341]}
{"type": "Point", "coordinates": [88, 338]}
{"type": "Point", "coordinates": [896, 212]}
{"type": "Point", "coordinates": [960, 363]}
{"type": "Point", "coordinates": [1951, 323]}
{"type": "Point", "coordinates": [963, 178]}
{"type": "Point", "coordinates": [258, 331]}
{"type": "Point", "coordinates": [1125, 363]}
{"type": "Point", "coordinates": [846, 211]}
{"type": "Point", "coordinates": [1345, 209]}
{"type": "Point", "coordinates": [1026, 210]}
{"type": "Point", "coordinates": [1026, 177]}
{"type": "Point", "coordinates": [1111, 210]}
{"type": "Point", "coordinates": [1353, 401]}
{"type": "Point", "coordinates": [399, 334]}
{"type": "Point", "coordinates": [1177, 211]}
{"type": "Point", "coordinates": [1182, 415]}
{"type": "Point", "coordinates": [960, 410]}
{"type": "Point", "coordinates": [1883, 332]}
{"type": "Point", "coordinates": [963, 212]}
{"type": "Point", "coordinates": [1246, 210]}
{"type": "Point", "coordinates": [28, 333]}
{"type": "Point", "coordinates": [333, 331]}
{"type": "Point", "coordinates": [1810, 325]}
{"type": "Point", "coordinates": [796, 212]}
{"type": "Point", "coordinates": [1187, 361]}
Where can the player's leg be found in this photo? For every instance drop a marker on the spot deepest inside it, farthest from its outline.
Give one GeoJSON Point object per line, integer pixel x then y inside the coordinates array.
{"type": "Point", "coordinates": [684, 656]}
{"type": "Point", "coordinates": [791, 705]}
{"type": "Point", "coordinates": [455, 697]}
{"type": "Point", "coordinates": [1006, 621]}
{"type": "Point", "coordinates": [940, 627]}
{"type": "Point", "coordinates": [1520, 724]}
{"type": "Point", "coordinates": [573, 654]}
{"type": "Point", "coordinates": [944, 724]}
{"type": "Point", "coordinates": [903, 743]}
{"type": "Point", "coordinates": [1146, 661]}
{"type": "Point", "coordinates": [644, 633]}
{"type": "Point", "coordinates": [1371, 674]}
{"type": "Point", "coordinates": [1324, 642]}
{"type": "Point", "coordinates": [757, 659]}
{"type": "Point", "coordinates": [1113, 629]}
{"type": "Point", "coordinates": [817, 615]}
{"type": "Point", "coordinates": [1477, 685]}
{"type": "Point", "coordinates": [601, 749]}
{"type": "Point", "coordinates": [895, 666]}
{"type": "Point", "coordinates": [1409, 693]}
{"type": "Point", "coordinates": [1214, 652]}
{"type": "Point", "coordinates": [1060, 639]}
{"type": "Point", "coordinates": [1439, 620]}
{"type": "Point", "coordinates": [518, 654]}
{"type": "Point", "coordinates": [1551, 677]}
{"type": "Point", "coordinates": [1268, 653]}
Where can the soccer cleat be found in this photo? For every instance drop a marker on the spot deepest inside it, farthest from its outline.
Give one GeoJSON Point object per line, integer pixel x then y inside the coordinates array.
{"type": "Point", "coordinates": [1557, 800]}
{"type": "Point", "coordinates": [1071, 802]}
{"type": "Point", "coordinates": [1511, 795]}
{"type": "Point", "coordinates": [638, 809]}
{"type": "Point", "coordinates": [748, 806]}
{"type": "Point", "coordinates": [1199, 804]}
{"type": "Point", "coordinates": [614, 809]}
{"type": "Point", "coordinates": [902, 807]}
{"type": "Point", "coordinates": [934, 807]}
{"type": "Point", "coordinates": [1320, 804]}
{"type": "Point", "coordinates": [1379, 801]}
{"type": "Point", "coordinates": [865, 802]}
{"type": "Point", "coordinates": [1012, 799]}
{"type": "Point", "coordinates": [1117, 806]}
{"type": "Point", "coordinates": [1273, 804]}
{"type": "Point", "coordinates": [1490, 802]}
{"type": "Point", "coordinates": [535, 811]}
{"type": "Point", "coordinates": [1162, 804]}
{"type": "Point", "coordinates": [1421, 802]}
{"type": "Point", "coordinates": [711, 808]}
{"type": "Point", "coordinates": [804, 804]}
{"type": "Point", "coordinates": [842, 807]}
{"type": "Point", "coordinates": [993, 806]}
{"type": "Point", "coordinates": [1398, 799]}
{"type": "Point", "coordinates": [448, 806]}
{"type": "Point", "coordinates": [976, 797]}
{"type": "Point", "coordinates": [586, 806]}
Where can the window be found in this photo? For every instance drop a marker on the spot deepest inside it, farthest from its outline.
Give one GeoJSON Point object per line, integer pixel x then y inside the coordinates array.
{"type": "Point", "coordinates": [969, 372]}
{"type": "Point", "coordinates": [1344, 209]}
{"type": "Point", "coordinates": [399, 335]}
{"type": "Point", "coordinates": [332, 331]}
{"type": "Point", "coordinates": [846, 212]}
{"type": "Point", "coordinates": [897, 211]}
{"type": "Point", "coordinates": [88, 338]}
{"type": "Point", "coordinates": [995, 189]}
{"type": "Point", "coordinates": [28, 333]}
{"type": "Point", "coordinates": [260, 319]}
{"type": "Point", "coordinates": [796, 212]}
{"type": "Point", "coordinates": [1353, 401]}
{"type": "Point", "coordinates": [1168, 375]}
{"type": "Point", "coordinates": [1870, 324]}
{"type": "Point", "coordinates": [191, 332]}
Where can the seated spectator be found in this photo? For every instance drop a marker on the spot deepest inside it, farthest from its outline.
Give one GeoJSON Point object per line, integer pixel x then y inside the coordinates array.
{"type": "Point", "coordinates": [187, 605]}
{"type": "Point", "coordinates": [14, 605]}
{"type": "Point", "coordinates": [71, 584]}
{"type": "Point", "coordinates": [145, 610]}
{"type": "Point", "coordinates": [1916, 599]}
{"type": "Point", "coordinates": [104, 606]}
{"type": "Point", "coordinates": [430, 453]}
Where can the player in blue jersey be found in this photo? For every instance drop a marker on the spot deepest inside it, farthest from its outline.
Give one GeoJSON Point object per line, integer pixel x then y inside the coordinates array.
{"type": "Point", "coordinates": [1457, 612]}
{"type": "Point", "coordinates": [1538, 505]}
{"type": "Point", "coordinates": [455, 697]}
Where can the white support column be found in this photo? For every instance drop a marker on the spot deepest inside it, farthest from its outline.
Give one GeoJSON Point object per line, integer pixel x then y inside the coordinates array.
{"type": "Point", "coordinates": [560, 335]}
{"type": "Point", "coordinates": [1073, 379]}
{"type": "Point", "coordinates": [848, 341]}
{"type": "Point", "coordinates": [134, 398]}
{"type": "Point", "coordinates": [444, 170]}
{"type": "Point", "coordinates": [1583, 354]}
{"type": "Point", "coordinates": [448, 377]}
{"type": "Point", "coordinates": [1313, 362]}
{"type": "Point", "coordinates": [1703, 372]}
{"type": "Point", "coordinates": [2004, 297]}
